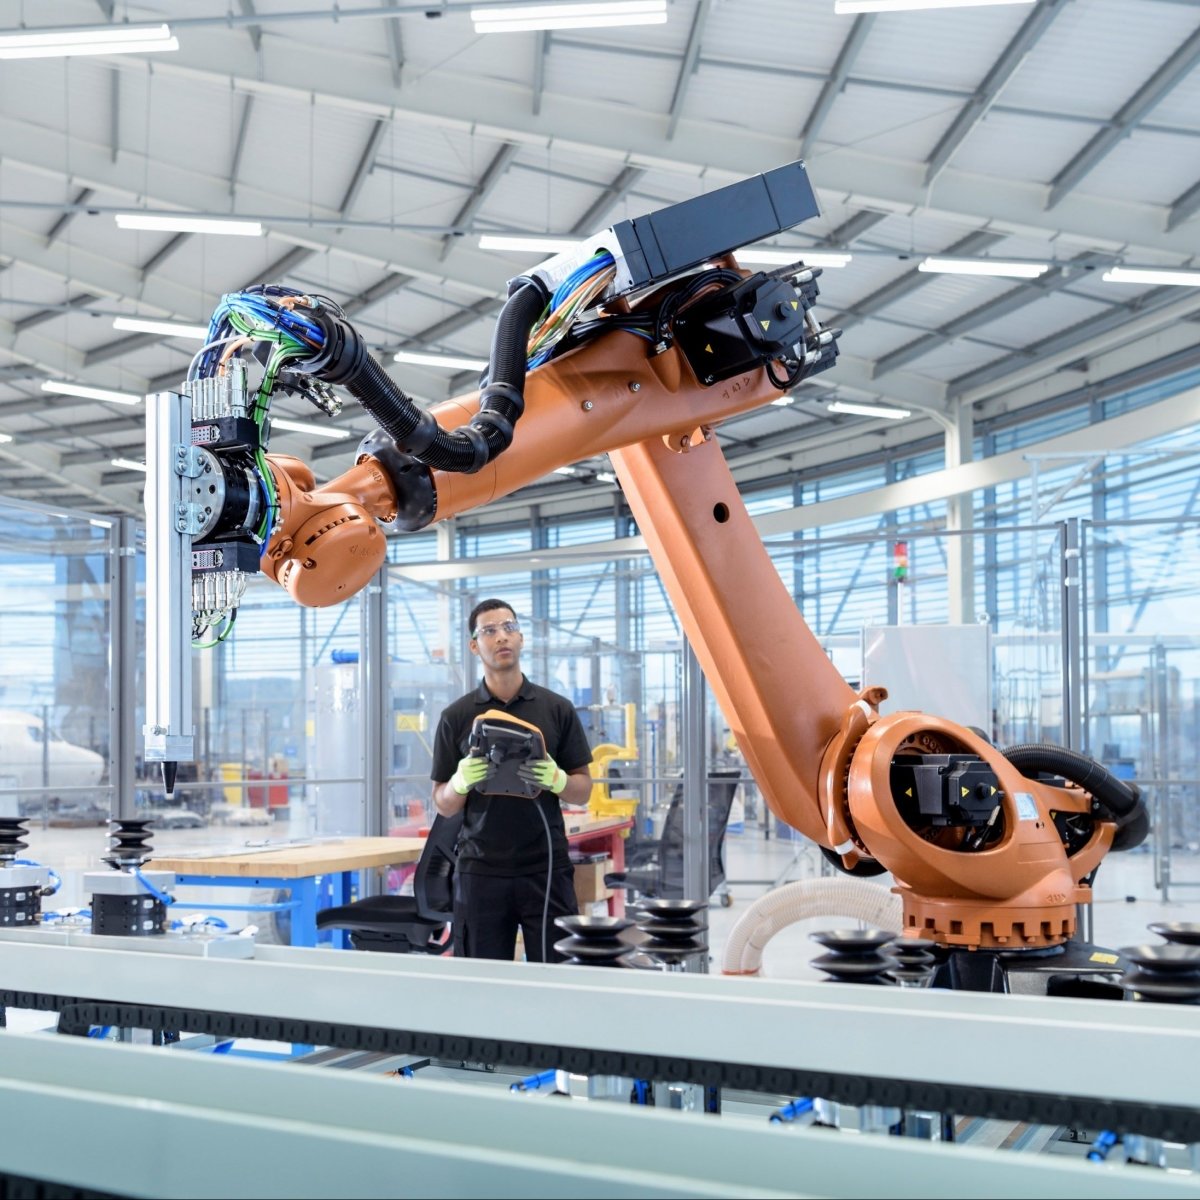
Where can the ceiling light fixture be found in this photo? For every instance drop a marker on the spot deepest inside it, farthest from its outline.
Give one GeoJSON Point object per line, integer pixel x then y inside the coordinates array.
{"type": "Point", "coordinates": [62, 388]}
{"type": "Point", "coordinates": [781, 258]}
{"type": "Point", "coordinates": [564, 470]}
{"type": "Point", "coordinates": [606, 477]}
{"type": "Point", "coordinates": [844, 8]}
{"type": "Point", "coordinates": [531, 242]}
{"type": "Point", "coordinates": [780, 401]}
{"type": "Point", "coordinates": [329, 431]}
{"type": "Point", "coordinates": [1147, 275]}
{"type": "Point", "coordinates": [868, 410]}
{"type": "Point", "coordinates": [522, 18]}
{"type": "Point", "coordinates": [128, 464]}
{"type": "Point", "coordinates": [5, 437]}
{"type": "Point", "coordinates": [451, 362]}
{"type": "Point", "coordinates": [67, 42]}
{"type": "Point", "coordinates": [177, 329]}
{"type": "Point", "coordinates": [984, 266]}
{"type": "Point", "coordinates": [183, 223]}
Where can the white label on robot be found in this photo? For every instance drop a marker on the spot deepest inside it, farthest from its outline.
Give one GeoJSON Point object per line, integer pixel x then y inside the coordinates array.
{"type": "Point", "coordinates": [1027, 809]}
{"type": "Point", "coordinates": [207, 560]}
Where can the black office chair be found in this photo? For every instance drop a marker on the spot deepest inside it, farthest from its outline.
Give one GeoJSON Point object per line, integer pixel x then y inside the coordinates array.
{"type": "Point", "coordinates": [657, 870]}
{"type": "Point", "coordinates": [407, 924]}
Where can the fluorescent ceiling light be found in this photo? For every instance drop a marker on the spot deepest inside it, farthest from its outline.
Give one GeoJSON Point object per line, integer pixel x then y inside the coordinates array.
{"type": "Point", "coordinates": [452, 362]}
{"type": "Point", "coordinates": [329, 431]}
{"type": "Point", "coordinates": [780, 401]}
{"type": "Point", "coordinates": [564, 470]}
{"type": "Point", "coordinates": [5, 437]}
{"type": "Point", "coordinates": [66, 42]}
{"type": "Point", "coordinates": [62, 388]}
{"type": "Point", "coordinates": [868, 410]}
{"type": "Point", "coordinates": [845, 7]}
{"type": "Point", "coordinates": [531, 242]}
{"type": "Point", "coordinates": [128, 464]}
{"type": "Point", "coordinates": [781, 258]}
{"type": "Point", "coordinates": [522, 18]}
{"type": "Point", "coordinates": [1138, 275]}
{"type": "Point", "coordinates": [984, 266]}
{"type": "Point", "coordinates": [166, 328]}
{"type": "Point", "coordinates": [606, 477]}
{"type": "Point", "coordinates": [169, 223]}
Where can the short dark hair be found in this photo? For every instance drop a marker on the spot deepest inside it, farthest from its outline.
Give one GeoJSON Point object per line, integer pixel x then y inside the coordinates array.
{"type": "Point", "coordinates": [485, 606]}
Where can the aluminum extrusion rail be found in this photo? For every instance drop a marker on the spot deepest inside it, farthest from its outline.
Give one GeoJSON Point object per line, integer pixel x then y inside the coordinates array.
{"type": "Point", "coordinates": [205, 1126]}
{"type": "Point", "coordinates": [1022, 1058]}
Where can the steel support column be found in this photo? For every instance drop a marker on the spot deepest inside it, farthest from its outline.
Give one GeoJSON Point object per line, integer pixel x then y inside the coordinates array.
{"type": "Point", "coordinates": [960, 517]}
{"type": "Point", "coordinates": [122, 633]}
{"type": "Point", "coordinates": [373, 681]}
{"type": "Point", "coordinates": [1072, 650]}
{"type": "Point", "coordinates": [696, 884]}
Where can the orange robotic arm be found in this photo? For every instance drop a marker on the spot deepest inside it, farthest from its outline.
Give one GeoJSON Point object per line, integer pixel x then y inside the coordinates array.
{"type": "Point", "coordinates": [870, 789]}
{"type": "Point", "coordinates": [638, 346]}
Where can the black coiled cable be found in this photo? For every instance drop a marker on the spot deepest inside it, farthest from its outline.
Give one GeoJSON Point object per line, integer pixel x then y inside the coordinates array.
{"type": "Point", "coordinates": [1118, 800]}
{"type": "Point", "coordinates": [344, 360]}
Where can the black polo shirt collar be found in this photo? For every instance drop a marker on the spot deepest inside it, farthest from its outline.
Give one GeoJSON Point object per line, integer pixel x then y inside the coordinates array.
{"type": "Point", "coordinates": [483, 694]}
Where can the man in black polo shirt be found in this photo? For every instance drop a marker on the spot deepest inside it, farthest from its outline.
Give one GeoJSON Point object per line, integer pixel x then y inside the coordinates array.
{"type": "Point", "coordinates": [501, 881]}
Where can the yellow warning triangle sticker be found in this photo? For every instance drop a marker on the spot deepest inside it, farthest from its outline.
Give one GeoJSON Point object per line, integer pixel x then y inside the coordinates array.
{"type": "Point", "coordinates": [795, 304]}
{"type": "Point", "coordinates": [908, 792]}
{"type": "Point", "coordinates": [765, 324]}
{"type": "Point", "coordinates": [708, 349]}
{"type": "Point", "coordinates": [966, 791]}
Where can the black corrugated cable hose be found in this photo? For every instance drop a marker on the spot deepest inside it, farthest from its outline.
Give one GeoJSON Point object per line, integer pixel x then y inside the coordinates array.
{"type": "Point", "coordinates": [1119, 801]}
{"type": "Point", "coordinates": [344, 361]}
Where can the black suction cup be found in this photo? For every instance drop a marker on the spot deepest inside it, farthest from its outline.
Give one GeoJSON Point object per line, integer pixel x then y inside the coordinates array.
{"type": "Point", "coordinates": [853, 955]}
{"type": "Point", "coordinates": [671, 910]}
{"type": "Point", "coordinates": [674, 930]}
{"type": "Point", "coordinates": [1167, 974]}
{"type": "Point", "coordinates": [128, 843]}
{"type": "Point", "coordinates": [12, 839]}
{"type": "Point", "coordinates": [1181, 933]}
{"type": "Point", "coordinates": [594, 941]}
{"type": "Point", "coordinates": [915, 961]}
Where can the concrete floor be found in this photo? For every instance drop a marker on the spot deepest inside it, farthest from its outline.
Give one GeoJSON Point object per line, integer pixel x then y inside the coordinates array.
{"type": "Point", "coordinates": [1126, 897]}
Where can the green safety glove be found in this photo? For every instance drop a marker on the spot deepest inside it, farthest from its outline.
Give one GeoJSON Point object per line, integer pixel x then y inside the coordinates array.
{"type": "Point", "coordinates": [471, 769]}
{"type": "Point", "coordinates": [546, 773]}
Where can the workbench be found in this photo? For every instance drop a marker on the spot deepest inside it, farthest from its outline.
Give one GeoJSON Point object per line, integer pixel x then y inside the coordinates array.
{"type": "Point", "coordinates": [317, 875]}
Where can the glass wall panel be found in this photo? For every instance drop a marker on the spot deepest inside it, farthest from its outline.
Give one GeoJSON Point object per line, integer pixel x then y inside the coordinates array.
{"type": "Point", "coordinates": [55, 693]}
{"type": "Point", "coordinates": [1142, 675]}
{"type": "Point", "coordinates": [279, 721]}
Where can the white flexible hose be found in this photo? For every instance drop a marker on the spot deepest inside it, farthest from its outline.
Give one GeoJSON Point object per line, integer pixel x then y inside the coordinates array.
{"type": "Point", "coordinates": [871, 903]}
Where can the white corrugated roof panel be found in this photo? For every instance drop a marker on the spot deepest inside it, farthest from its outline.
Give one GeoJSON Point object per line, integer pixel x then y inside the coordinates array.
{"type": "Point", "coordinates": [908, 126]}
{"type": "Point", "coordinates": [1097, 55]}
{"type": "Point", "coordinates": [805, 33]}
{"type": "Point", "coordinates": [945, 297]}
{"type": "Point", "coordinates": [1021, 147]}
{"type": "Point", "coordinates": [1043, 316]}
{"type": "Point", "coordinates": [766, 102]}
{"type": "Point", "coordinates": [952, 359]}
{"type": "Point", "coordinates": [623, 81]}
{"type": "Point", "coordinates": [953, 48]}
{"type": "Point", "coordinates": [1145, 167]}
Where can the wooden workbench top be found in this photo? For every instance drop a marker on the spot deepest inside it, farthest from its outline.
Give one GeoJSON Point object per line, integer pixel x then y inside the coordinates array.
{"type": "Point", "coordinates": [294, 862]}
{"type": "Point", "coordinates": [347, 854]}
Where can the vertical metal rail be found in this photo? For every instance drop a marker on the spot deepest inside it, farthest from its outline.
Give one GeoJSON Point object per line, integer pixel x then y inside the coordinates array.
{"type": "Point", "coordinates": [169, 730]}
{"type": "Point", "coordinates": [122, 698]}
{"type": "Point", "coordinates": [373, 660]}
{"type": "Point", "coordinates": [696, 883]}
{"type": "Point", "coordinates": [1072, 665]}
{"type": "Point", "coordinates": [1072, 650]}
